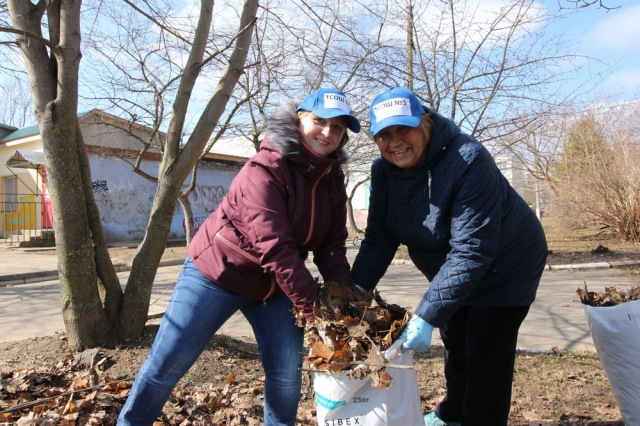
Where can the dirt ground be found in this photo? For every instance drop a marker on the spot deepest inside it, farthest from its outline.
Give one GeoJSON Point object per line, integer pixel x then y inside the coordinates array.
{"type": "Point", "coordinates": [561, 388]}
{"type": "Point", "coordinates": [225, 385]}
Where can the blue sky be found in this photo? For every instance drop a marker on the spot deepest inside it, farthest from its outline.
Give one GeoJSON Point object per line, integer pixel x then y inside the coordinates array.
{"type": "Point", "coordinates": [611, 36]}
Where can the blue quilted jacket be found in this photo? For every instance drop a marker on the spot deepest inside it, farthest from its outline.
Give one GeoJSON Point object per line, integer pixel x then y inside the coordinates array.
{"type": "Point", "coordinates": [467, 230]}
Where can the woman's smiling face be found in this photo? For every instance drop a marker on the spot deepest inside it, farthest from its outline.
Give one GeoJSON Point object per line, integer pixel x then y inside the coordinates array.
{"type": "Point", "coordinates": [321, 135]}
{"type": "Point", "coordinates": [402, 145]}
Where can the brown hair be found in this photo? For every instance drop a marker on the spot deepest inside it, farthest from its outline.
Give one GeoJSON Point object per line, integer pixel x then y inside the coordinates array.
{"type": "Point", "coordinates": [426, 125]}
{"type": "Point", "coordinates": [345, 137]}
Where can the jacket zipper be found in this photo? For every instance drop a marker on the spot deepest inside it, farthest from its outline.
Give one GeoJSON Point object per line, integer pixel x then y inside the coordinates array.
{"type": "Point", "coordinates": [428, 188]}
{"type": "Point", "coordinates": [313, 204]}
{"type": "Point", "coordinates": [250, 258]}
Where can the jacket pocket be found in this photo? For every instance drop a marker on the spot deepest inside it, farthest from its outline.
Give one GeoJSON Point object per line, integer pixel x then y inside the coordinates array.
{"type": "Point", "coordinates": [237, 249]}
{"type": "Point", "coordinates": [247, 269]}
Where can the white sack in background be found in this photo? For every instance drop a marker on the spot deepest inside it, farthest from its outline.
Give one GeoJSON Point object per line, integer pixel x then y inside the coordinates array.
{"type": "Point", "coordinates": [616, 334]}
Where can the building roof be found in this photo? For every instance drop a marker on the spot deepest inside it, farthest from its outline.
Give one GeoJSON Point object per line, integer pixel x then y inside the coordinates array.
{"type": "Point", "coordinates": [22, 159]}
{"type": "Point", "coordinates": [7, 127]}
{"type": "Point", "coordinates": [228, 150]}
{"type": "Point", "coordinates": [24, 131]}
{"type": "Point", "coordinates": [21, 133]}
{"type": "Point", "coordinates": [236, 146]}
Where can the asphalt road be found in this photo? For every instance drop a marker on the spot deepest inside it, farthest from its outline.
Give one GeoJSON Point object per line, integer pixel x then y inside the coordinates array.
{"type": "Point", "coordinates": [556, 318]}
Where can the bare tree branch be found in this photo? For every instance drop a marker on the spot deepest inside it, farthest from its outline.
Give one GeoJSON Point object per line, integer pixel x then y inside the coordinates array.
{"type": "Point", "coordinates": [27, 34]}
{"type": "Point", "coordinates": [581, 4]}
{"type": "Point", "coordinates": [176, 34]}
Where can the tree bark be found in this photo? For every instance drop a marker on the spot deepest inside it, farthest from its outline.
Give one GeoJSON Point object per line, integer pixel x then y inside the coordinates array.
{"type": "Point", "coordinates": [178, 161]}
{"type": "Point", "coordinates": [350, 216]}
{"type": "Point", "coordinates": [54, 86]}
{"type": "Point", "coordinates": [107, 279]}
{"type": "Point", "coordinates": [189, 227]}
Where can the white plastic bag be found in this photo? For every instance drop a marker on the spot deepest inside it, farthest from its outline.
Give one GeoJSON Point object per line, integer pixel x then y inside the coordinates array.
{"type": "Point", "coordinates": [341, 400]}
{"type": "Point", "coordinates": [616, 334]}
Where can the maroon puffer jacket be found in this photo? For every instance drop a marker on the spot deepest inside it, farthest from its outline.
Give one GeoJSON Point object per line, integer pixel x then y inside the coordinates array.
{"type": "Point", "coordinates": [285, 202]}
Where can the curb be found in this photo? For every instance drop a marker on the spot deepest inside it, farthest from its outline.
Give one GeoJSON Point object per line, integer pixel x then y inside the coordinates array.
{"type": "Point", "coordinates": [40, 276]}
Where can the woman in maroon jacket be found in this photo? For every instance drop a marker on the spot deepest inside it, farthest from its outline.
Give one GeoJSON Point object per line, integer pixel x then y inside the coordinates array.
{"type": "Point", "coordinates": [288, 199]}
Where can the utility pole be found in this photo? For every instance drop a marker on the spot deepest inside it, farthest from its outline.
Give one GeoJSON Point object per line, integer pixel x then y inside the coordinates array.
{"type": "Point", "coordinates": [410, 46]}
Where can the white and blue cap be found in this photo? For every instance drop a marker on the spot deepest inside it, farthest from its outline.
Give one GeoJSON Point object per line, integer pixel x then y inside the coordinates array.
{"type": "Point", "coordinates": [330, 103]}
{"type": "Point", "coordinates": [395, 107]}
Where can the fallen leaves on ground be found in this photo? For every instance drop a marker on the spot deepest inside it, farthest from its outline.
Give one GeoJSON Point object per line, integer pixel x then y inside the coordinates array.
{"type": "Point", "coordinates": [64, 394]}
{"type": "Point", "coordinates": [550, 386]}
{"type": "Point", "coordinates": [611, 296]}
{"type": "Point", "coordinates": [70, 393]}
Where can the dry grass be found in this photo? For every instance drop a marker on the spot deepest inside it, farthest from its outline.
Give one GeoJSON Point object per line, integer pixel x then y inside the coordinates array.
{"type": "Point", "coordinates": [561, 236]}
{"type": "Point", "coordinates": [558, 388]}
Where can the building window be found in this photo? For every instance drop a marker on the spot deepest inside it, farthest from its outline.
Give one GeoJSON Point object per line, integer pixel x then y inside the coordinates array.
{"type": "Point", "coordinates": [502, 165]}
{"type": "Point", "coordinates": [11, 194]}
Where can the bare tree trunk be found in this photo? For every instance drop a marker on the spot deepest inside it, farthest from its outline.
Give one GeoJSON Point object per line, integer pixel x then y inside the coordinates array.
{"type": "Point", "coordinates": [54, 87]}
{"type": "Point", "coordinates": [410, 46]}
{"type": "Point", "coordinates": [108, 281]}
{"type": "Point", "coordinates": [188, 217]}
{"type": "Point", "coordinates": [538, 211]}
{"type": "Point", "coordinates": [183, 198]}
{"type": "Point", "coordinates": [178, 161]}
{"type": "Point", "coordinates": [350, 216]}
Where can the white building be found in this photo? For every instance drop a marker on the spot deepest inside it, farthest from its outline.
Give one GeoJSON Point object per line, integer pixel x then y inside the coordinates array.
{"type": "Point", "coordinates": [123, 197]}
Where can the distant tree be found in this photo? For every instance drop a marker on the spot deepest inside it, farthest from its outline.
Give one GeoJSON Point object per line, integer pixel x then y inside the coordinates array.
{"type": "Point", "coordinates": [598, 173]}
{"type": "Point", "coordinates": [585, 147]}
{"type": "Point", "coordinates": [483, 68]}
{"type": "Point", "coordinates": [16, 108]}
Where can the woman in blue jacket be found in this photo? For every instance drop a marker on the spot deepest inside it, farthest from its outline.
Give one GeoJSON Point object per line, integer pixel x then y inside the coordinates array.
{"type": "Point", "coordinates": [480, 246]}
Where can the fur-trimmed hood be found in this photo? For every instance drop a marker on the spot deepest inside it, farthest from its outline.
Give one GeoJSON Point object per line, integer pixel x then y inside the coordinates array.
{"type": "Point", "coordinates": [282, 135]}
{"type": "Point", "coordinates": [280, 206]}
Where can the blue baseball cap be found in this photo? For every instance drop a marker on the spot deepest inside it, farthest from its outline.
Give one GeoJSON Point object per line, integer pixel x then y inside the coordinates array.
{"type": "Point", "coordinates": [330, 103]}
{"type": "Point", "coordinates": [395, 107]}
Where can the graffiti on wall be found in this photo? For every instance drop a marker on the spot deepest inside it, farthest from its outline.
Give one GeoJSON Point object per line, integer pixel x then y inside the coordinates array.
{"type": "Point", "coordinates": [130, 207]}
{"type": "Point", "coordinates": [123, 206]}
{"type": "Point", "coordinates": [207, 198]}
{"type": "Point", "coordinates": [204, 200]}
{"type": "Point", "coordinates": [100, 186]}
{"type": "Point", "coordinates": [125, 199]}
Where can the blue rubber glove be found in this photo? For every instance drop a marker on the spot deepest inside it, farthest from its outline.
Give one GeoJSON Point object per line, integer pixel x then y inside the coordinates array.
{"type": "Point", "coordinates": [417, 335]}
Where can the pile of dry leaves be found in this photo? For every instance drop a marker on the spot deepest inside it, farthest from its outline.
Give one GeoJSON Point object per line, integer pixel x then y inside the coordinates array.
{"type": "Point", "coordinates": [71, 393]}
{"type": "Point", "coordinates": [352, 328]}
{"type": "Point", "coordinates": [65, 394]}
{"type": "Point", "coordinates": [611, 296]}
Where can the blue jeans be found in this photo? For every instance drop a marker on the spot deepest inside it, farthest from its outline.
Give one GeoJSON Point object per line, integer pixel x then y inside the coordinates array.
{"type": "Point", "coordinates": [197, 309]}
